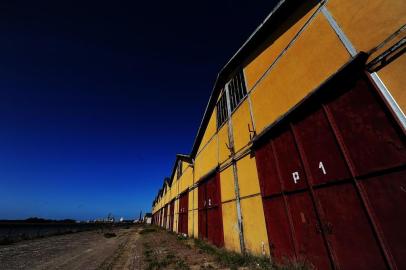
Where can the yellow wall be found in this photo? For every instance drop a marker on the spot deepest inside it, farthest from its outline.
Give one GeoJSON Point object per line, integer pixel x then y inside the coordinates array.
{"type": "Point", "coordinates": [368, 23]}
{"type": "Point", "coordinates": [393, 76]}
{"type": "Point", "coordinates": [192, 215]}
{"type": "Point", "coordinates": [206, 160]}
{"type": "Point", "coordinates": [227, 184]}
{"type": "Point", "coordinates": [240, 121]}
{"type": "Point", "coordinates": [210, 130]}
{"type": "Point", "coordinates": [186, 180]}
{"type": "Point", "coordinates": [318, 49]}
{"type": "Point", "coordinates": [255, 234]}
{"type": "Point", "coordinates": [223, 152]}
{"type": "Point", "coordinates": [254, 70]}
{"type": "Point", "coordinates": [230, 226]}
{"type": "Point", "coordinates": [247, 176]}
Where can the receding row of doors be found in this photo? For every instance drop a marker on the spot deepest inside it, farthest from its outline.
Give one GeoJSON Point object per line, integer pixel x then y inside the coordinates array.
{"type": "Point", "coordinates": [333, 182]}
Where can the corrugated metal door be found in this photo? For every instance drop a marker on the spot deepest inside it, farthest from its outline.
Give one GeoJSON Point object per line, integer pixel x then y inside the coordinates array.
{"type": "Point", "coordinates": [375, 148]}
{"type": "Point", "coordinates": [171, 215]}
{"type": "Point", "coordinates": [210, 214]}
{"type": "Point", "coordinates": [183, 212]}
{"type": "Point", "coordinates": [305, 224]}
{"type": "Point", "coordinates": [214, 215]}
{"type": "Point", "coordinates": [278, 228]}
{"type": "Point", "coordinates": [202, 216]}
{"type": "Point", "coordinates": [340, 159]}
{"type": "Point", "coordinates": [387, 197]}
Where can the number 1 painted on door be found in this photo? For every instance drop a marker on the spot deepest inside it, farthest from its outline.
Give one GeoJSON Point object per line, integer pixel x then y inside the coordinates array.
{"type": "Point", "coordinates": [321, 166]}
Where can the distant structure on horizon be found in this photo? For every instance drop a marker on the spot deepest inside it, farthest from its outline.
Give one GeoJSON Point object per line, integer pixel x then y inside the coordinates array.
{"type": "Point", "coordinates": [301, 152]}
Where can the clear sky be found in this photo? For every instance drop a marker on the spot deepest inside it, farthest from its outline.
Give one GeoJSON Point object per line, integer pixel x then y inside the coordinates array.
{"type": "Point", "coordinates": [97, 97]}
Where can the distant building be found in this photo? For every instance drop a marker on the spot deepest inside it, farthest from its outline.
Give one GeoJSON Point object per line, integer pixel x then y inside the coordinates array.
{"type": "Point", "coordinates": [147, 219]}
{"type": "Point", "coordinates": [301, 151]}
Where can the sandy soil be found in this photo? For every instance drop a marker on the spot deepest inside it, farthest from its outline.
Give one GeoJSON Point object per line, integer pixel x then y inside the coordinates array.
{"type": "Point", "coordinates": [84, 250]}
{"type": "Point", "coordinates": [134, 248]}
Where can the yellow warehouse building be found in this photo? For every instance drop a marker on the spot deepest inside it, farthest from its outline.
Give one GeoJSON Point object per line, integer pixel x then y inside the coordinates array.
{"type": "Point", "coordinates": [301, 151]}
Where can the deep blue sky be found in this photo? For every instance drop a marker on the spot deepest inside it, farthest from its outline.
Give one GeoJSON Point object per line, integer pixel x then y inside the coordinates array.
{"type": "Point", "coordinates": [96, 98]}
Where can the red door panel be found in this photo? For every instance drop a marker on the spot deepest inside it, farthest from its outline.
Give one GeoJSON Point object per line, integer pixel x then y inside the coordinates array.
{"type": "Point", "coordinates": [289, 163]}
{"type": "Point", "coordinates": [202, 222]}
{"type": "Point", "coordinates": [348, 229]}
{"type": "Point", "coordinates": [172, 215]}
{"type": "Point", "coordinates": [202, 218]}
{"type": "Point", "coordinates": [278, 228]}
{"type": "Point", "coordinates": [210, 218]}
{"type": "Point", "coordinates": [214, 218]}
{"type": "Point", "coordinates": [166, 216]}
{"type": "Point", "coordinates": [183, 212]}
{"type": "Point", "coordinates": [368, 130]}
{"type": "Point", "coordinates": [325, 160]}
{"type": "Point", "coordinates": [212, 198]}
{"type": "Point", "coordinates": [387, 196]}
{"type": "Point", "coordinates": [307, 230]}
{"type": "Point", "coordinates": [202, 195]}
{"type": "Point", "coordinates": [267, 173]}
{"type": "Point", "coordinates": [214, 226]}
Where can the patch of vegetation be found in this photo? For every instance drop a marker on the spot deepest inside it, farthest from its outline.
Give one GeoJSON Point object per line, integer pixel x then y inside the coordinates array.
{"type": "Point", "coordinates": [156, 263]}
{"type": "Point", "coordinates": [181, 237]}
{"type": "Point", "coordinates": [234, 260]}
{"type": "Point", "coordinates": [110, 235]}
{"type": "Point", "coordinates": [181, 265]}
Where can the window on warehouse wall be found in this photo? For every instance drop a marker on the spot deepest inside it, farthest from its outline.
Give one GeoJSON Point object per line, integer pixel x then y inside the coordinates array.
{"type": "Point", "coordinates": [237, 92]}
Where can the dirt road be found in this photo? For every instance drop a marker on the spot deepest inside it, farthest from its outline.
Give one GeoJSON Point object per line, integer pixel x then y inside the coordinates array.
{"type": "Point", "coordinates": [85, 250]}
{"type": "Point", "coordinates": [142, 247]}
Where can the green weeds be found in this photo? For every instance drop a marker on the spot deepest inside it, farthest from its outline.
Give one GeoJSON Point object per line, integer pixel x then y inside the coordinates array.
{"type": "Point", "coordinates": [234, 260]}
{"type": "Point", "coordinates": [156, 263]}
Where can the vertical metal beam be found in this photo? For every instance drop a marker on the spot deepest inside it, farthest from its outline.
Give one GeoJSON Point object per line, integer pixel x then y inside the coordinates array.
{"type": "Point", "coordinates": [235, 174]}
{"type": "Point", "coordinates": [374, 76]}
{"type": "Point", "coordinates": [339, 32]}
{"type": "Point", "coordinates": [389, 98]}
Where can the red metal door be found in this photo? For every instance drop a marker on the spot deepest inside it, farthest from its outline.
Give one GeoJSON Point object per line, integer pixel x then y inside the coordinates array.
{"type": "Point", "coordinates": [288, 161]}
{"type": "Point", "coordinates": [387, 196]}
{"type": "Point", "coordinates": [172, 215]}
{"type": "Point", "coordinates": [202, 216]}
{"type": "Point", "coordinates": [210, 216]}
{"type": "Point", "coordinates": [267, 172]}
{"type": "Point", "coordinates": [307, 230]}
{"type": "Point", "coordinates": [371, 135]}
{"type": "Point", "coordinates": [344, 221]}
{"type": "Point", "coordinates": [278, 228]}
{"type": "Point", "coordinates": [214, 215]}
{"type": "Point", "coordinates": [324, 159]}
{"type": "Point", "coordinates": [165, 216]}
{"type": "Point", "coordinates": [376, 148]}
{"type": "Point", "coordinates": [342, 165]}
{"type": "Point", "coordinates": [183, 213]}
